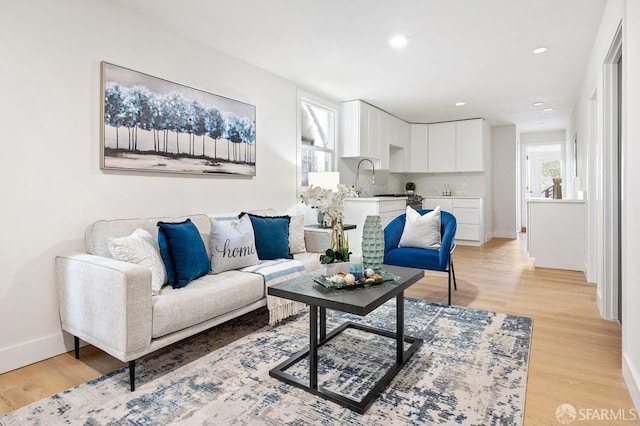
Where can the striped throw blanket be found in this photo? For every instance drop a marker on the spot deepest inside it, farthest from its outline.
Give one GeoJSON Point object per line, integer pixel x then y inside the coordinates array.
{"type": "Point", "coordinates": [277, 271]}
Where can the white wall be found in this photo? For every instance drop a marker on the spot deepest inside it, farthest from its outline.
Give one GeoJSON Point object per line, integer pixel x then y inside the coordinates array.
{"type": "Point", "coordinates": [589, 107]}
{"type": "Point", "coordinates": [631, 202]}
{"type": "Point", "coordinates": [472, 184]}
{"type": "Point", "coordinates": [52, 186]}
{"type": "Point", "coordinates": [504, 182]}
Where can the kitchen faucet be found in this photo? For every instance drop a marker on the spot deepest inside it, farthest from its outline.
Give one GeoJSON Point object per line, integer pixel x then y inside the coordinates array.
{"type": "Point", "coordinates": [373, 179]}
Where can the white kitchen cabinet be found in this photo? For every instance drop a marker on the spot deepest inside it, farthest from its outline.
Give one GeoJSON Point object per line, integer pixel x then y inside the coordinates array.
{"type": "Point", "coordinates": [470, 145]}
{"type": "Point", "coordinates": [442, 147]}
{"type": "Point", "coordinates": [456, 146]}
{"type": "Point", "coordinates": [418, 156]}
{"type": "Point", "coordinates": [359, 130]}
{"type": "Point", "coordinates": [369, 132]}
{"type": "Point", "coordinates": [404, 138]}
{"type": "Point", "coordinates": [357, 209]}
{"type": "Point", "coordinates": [399, 145]}
{"type": "Point", "coordinates": [445, 203]}
{"type": "Point", "coordinates": [468, 213]}
{"type": "Point", "coordinates": [383, 139]}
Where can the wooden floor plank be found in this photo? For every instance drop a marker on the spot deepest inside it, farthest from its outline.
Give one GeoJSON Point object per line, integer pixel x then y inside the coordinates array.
{"type": "Point", "coordinates": [575, 354]}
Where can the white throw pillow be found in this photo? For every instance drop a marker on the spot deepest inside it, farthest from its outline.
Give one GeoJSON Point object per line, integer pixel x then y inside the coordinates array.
{"type": "Point", "coordinates": [232, 247]}
{"type": "Point", "coordinates": [421, 231]}
{"type": "Point", "coordinates": [296, 235]}
{"type": "Point", "coordinates": [142, 249]}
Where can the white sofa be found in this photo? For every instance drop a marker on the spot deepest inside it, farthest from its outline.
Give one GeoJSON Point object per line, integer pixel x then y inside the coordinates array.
{"type": "Point", "coordinates": [109, 303]}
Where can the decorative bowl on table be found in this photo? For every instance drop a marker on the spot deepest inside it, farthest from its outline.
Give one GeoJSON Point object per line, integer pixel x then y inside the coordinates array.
{"type": "Point", "coordinates": [347, 281]}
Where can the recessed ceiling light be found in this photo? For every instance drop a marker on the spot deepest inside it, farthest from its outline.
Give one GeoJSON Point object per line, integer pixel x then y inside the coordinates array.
{"type": "Point", "coordinates": [548, 109]}
{"type": "Point", "coordinates": [460, 103]}
{"type": "Point", "coordinates": [538, 103]}
{"type": "Point", "coordinates": [540, 49]}
{"type": "Point", "coordinates": [398, 41]}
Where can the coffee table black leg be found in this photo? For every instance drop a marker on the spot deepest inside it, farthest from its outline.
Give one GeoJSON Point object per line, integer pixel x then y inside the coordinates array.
{"type": "Point", "coordinates": [400, 328]}
{"type": "Point", "coordinates": [313, 347]}
{"type": "Point", "coordinates": [323, 324]}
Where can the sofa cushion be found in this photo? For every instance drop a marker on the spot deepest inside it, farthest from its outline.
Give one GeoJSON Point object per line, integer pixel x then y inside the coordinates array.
{"type": "Point", "coordinates": [183, 252]}
{"type": "Point", "coordinates": [232, 247]}
{"type": "Point", "coordinates": [142, 249]}
{"type": "Point", "coordinates": [205, 298]}
{"type": "Point", "coordinates": [421, 231]}
{"type": "Point", "coordinates": [272, 236]}
{"type": "Point", "coordinates": [98, 233]}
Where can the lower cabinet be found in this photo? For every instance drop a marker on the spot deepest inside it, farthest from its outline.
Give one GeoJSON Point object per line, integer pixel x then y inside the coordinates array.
{"type": "Point", "coordinates": [469, 217]}
{"type": "Point", "coordinates": [356, 211]}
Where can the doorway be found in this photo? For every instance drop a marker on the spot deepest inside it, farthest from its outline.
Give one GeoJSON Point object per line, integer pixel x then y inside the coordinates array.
{"type": "Point", "coordinates": [541, 162]}
{"type": "Point", "coordinates": [613, 183]}
{"type": "Point", "coordinates": [544, 163]}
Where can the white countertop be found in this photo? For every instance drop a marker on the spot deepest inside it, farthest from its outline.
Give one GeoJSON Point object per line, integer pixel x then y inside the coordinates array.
{"type": "Point", "coordinates": [453, 196]}
{"type": "Point", "coordinates": [552, 200]}
{"type": "Point", "coordinates": [375, 199]}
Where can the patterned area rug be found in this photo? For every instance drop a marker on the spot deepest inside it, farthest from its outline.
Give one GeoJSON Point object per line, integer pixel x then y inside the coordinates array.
{"type": "Point", "coordinates": [471, 370]}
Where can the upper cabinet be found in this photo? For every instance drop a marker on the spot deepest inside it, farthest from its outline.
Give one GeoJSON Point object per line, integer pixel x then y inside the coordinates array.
{"type": "Point", "coordinates": [457, 146]}
{"type": "Point", "coordinates": [369, 132]}
{"type": "Point", "coordinates": [442, 147]}
{"type": "Point", "coordinates": [418, 158]}
{"type": "Point", "coordinates": [470, 142]}
{"type": "Point", "coordinates": [400, 147]}
{"type": "Point", "coordinates": [359, 130]}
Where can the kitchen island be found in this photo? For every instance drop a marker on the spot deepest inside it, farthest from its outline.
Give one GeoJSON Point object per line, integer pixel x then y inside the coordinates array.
{"type": "Point", "coordinates": [357, 209]}
{"type": "Point", "coordinates": [556, 233]}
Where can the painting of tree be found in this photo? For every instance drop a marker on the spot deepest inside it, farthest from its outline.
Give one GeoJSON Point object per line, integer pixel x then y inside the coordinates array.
{"type": "Point", "coordinates": [152, 124]}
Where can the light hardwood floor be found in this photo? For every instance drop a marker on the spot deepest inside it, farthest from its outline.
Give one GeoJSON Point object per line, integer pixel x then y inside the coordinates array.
{"type": "Point", "coordinates": [575, 355]}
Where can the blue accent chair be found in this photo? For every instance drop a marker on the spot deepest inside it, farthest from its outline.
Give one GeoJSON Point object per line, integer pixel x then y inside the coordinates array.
{"type": "Point", "coordinates": [433, 260]}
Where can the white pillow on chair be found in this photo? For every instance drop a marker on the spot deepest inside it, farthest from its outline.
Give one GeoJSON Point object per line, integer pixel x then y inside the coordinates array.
{"type": "Point", "coordinates": [421, 231]}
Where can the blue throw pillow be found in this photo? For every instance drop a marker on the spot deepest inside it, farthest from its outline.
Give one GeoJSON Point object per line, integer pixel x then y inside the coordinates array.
{"type": "Point", "coordinates": [183, 252]}
{"type": "Point", "coordinates": [272, 236]}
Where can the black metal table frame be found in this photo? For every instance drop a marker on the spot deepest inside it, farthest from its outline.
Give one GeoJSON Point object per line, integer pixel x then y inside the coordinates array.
{"type": "Point", "coordinates": [402, 356]}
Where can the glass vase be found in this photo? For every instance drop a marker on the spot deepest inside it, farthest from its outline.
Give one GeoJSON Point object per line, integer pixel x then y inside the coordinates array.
{"type": "Point", "coordinates": [372, 243]}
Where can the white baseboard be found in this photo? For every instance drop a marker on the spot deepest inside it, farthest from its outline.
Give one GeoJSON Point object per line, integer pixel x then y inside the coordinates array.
{"type": "Point", "coordinates": [632, 379]}
{"type": "Point", "coordinates": [34, 351]}
{"type": "Point", "coordinates": [501, 233]}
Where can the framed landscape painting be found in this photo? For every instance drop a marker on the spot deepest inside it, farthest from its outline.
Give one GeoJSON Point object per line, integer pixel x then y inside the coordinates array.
{"type": "Point", "coordinates": [151, 124]}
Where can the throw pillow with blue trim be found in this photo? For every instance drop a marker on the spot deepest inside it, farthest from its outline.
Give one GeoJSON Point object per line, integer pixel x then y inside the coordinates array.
{"type": "Point", "coordinates": [272, 236]}
{"type": "Point", "coordinates": [183, 252]}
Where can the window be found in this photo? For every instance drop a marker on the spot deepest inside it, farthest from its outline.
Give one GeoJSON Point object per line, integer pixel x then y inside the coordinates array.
{"type": "Point", "coordinates": [316, 137]}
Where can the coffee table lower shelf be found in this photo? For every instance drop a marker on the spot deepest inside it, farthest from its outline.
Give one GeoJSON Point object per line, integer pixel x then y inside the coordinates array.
{"type": "Point", "coordinates": [312, 386]}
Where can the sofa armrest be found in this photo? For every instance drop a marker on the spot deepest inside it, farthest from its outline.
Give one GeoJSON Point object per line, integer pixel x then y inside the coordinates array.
{"type": "Point", "coordinates": [316, 241]}
{"type": "Point", "coordinates": [105, 302]}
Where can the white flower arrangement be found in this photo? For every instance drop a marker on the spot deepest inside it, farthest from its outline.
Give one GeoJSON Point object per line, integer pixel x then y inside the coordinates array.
{"type": "Point", "coordinates": [331, 205]}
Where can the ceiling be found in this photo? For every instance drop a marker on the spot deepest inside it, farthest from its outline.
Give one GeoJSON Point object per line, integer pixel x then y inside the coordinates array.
{"type": "Point", "coordinates": [473, 51]}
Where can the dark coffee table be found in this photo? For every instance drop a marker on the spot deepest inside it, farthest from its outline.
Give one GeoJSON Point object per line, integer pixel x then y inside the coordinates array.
{"type": "Point", "coordinates": [360, 301]}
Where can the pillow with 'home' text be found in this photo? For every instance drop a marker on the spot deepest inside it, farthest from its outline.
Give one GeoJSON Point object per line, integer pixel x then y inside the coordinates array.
{"type": "Point", "coordinates": [232, 247]}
